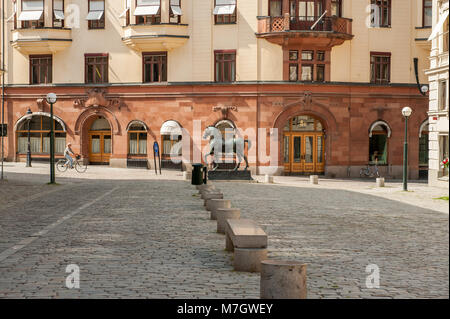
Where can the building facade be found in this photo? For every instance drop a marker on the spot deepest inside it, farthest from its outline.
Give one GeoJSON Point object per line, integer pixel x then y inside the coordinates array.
{"type": "Point", "coordinates": [438, 79]}
{"type": "Point", "coordinates": [330, 76]}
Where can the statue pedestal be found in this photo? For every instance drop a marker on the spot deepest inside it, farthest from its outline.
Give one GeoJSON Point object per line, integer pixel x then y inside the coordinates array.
{"type": "Point", "coordinates": [227, 175]}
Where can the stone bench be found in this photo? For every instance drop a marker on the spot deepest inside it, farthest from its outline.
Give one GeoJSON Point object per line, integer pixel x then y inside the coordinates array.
{"type": "Point", "coordinates": [209, 196]}
{"type": "Point", "coordinates": [222, 214]}
{"type": "Point", "coordinates": [213, 204]}
{"type": "Point", "coordinates": [249, 243]}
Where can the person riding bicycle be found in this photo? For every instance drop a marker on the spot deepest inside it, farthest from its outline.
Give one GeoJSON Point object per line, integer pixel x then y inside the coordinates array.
{"type": "Point", "coordinates": [67, 152]}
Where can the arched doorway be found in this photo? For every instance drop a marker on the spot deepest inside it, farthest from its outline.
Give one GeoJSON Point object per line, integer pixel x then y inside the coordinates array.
{"type": "Point", "coordinates": [100, 141]}
{"type": "Point", "coordinates": [304, 145]}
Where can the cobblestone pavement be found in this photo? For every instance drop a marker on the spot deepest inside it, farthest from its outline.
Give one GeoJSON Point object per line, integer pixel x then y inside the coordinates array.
{"type": "Point", "coordinates": [147, 238]}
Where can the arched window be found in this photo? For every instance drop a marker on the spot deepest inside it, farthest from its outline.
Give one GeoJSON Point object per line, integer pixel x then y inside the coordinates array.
{"type": "Point", "coordinates": [379, 133]}
{"type": "Point", "coordinates": [40, 135]}
{"type": "Point", "coordinates": [226, 128]}
{"type": "Point", "coordinates": [137, 138]}
{"type": "Point", "coordinates": [170, 135]}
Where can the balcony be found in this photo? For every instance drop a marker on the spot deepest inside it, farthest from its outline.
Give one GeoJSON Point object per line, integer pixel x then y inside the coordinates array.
{"type": "Point", "coordinates": [330, 31]}
{"type": "Point", "coordinates": [41, 40]}
{"type": "Point", "coordinates": [421, 37]}
{"type": "Point", "coordinates": [155, 37]}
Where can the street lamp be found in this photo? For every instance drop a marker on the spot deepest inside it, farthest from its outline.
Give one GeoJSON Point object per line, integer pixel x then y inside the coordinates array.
{"type": "Point", "coordinates": [51, 99]}
{"type": "Point", "coordinates": [30, 116]}
{"type": "Point", "coordinates": [406, 111]}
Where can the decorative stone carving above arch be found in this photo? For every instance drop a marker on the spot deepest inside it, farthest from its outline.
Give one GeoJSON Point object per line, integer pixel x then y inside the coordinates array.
{"type": "Point", "coordinates": [98, 110]}
{"type": "Point", "coordinates": [25, 117]}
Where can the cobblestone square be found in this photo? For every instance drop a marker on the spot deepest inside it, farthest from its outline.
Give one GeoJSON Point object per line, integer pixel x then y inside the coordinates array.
{"type": "Point", "coordinates": [137, 235]}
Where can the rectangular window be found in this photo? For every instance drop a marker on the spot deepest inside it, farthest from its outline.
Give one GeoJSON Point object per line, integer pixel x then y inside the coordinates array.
{"type": "Point", "coordinates": [224, 11]}
{"type": "Point", "coordinates": [427, 13]}
{"type": "Point", "coordinates": [293, 55]}
{"type": "Point", "coordinates": [275, 8]}
{"type": "Point", "coordinates": [380, 67]}
{"type": "Point", "coordinates": [444, 147]}
{"type": "Point", "coordinates": [225, 67]}
{"type": "Point", "coordinates": [175, 11]}
{"type": "Point", "coordinates": [148, 11]}
{"type": "Point", "coordinates": [445, 36]}
{"type": "Point", "coordinates": [58, 13]}
{"type": "Point", "coordinates": [307, 72]}
{"type": "Point", "coordinates": [320, 55]}
{"type": "Point", "coordinates": [32, 15]}
{"type": "Point", "coordinates": [380, 13]}
{"type": "Point", "coordinates": [443, 93]}
{"type": "Point", "coordinates": [155, 67]}
{"type": "Point", "coordinates": [293, 72]}
{"type": "Point", "coordinates": [307, 55]}
{"type": "Point", "coordinates": [320, 76]}
{"type": "Point", "coordinates": [336, 8]}
{"type": "Point", "coordinates": [40, 69]}
{"type": "Point", "coordinates": [96, 68]}
{"type": "Point", "coordinates": [96, 15]}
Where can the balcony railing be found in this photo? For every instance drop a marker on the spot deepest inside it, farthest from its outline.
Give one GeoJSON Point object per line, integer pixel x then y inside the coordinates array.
{"type": "Point", "coordinates": [288, 23]}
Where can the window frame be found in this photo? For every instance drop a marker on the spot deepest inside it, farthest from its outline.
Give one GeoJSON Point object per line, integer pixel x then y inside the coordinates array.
{"type": "Point", "coordinates": [218, 53]}
{"type": "Point", "coordinates": [232, 18]}
{"type": "Point", "coordinates": [373, 67]}
{"type": "Point", "coordinates": [106, 70]}
{"type": "Point", "coordinates": [97, 24]}
{"type": "Point", "coordinates": [29, 24]}
{"type": "Point", "coordinates": [138, 132]}
{"type": "Point", "coordinates": [338, 7]}
{"type": "Point", "coordinates": [424, 7]}
{"type": "Point", "coordinates": [443, 95]}
{"type": "Point", "coordinates": [381, 4]}
{"type": "Point", "coordinates": [151, 19]}
{"type": "Point", "coordinates": [314, 62]}
{"type": "Point", "coordinates": [49, 66]}
{"type": "Point", "coordinates": [53, 15]}
{"type": "Point", "coordinates": [172, 16]}
{"type": "Point", "coordinates": [160, 66]}
{"type": "Point", "coordinates": [269, 10]}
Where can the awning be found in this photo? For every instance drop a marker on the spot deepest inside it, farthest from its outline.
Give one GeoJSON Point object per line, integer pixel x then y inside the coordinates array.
{"type": "Point", "coordinates": [30, 15]}
{"type": "Point", "coordinates": [224, 7]}
{"type": "Point", "coordinates": [146, 10]}
{"type": "Point", "coordinates": [94, 15]}
{"type": "Point", "coordinates": [171, 128]}
{"type": "Point", "coordinates": [176, 8]}
{"type": "Point", "coordinates": [438, 27]}
{"type": "Point", "coordinates": [59, 15]}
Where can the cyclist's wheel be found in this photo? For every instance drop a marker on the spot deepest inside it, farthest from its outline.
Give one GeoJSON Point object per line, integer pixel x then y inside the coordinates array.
{"type": "Point", "coordinates": [81, 168]}
{"type": "Point", "coordinates": [61, 166]}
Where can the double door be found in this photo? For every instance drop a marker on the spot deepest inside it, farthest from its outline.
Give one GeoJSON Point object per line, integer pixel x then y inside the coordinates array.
{"type": "Point", "coordinates": [304, 13]}
{"type": "Point", "coordinates": [99, 147]}
{"type": "Point", "coordinates": [304, 153]}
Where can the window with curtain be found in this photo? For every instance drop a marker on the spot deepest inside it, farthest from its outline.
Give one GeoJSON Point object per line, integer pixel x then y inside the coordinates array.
{"type": "Point", "coordinates": [96, 15]}
{"type": "Point", "coordinates": [40, 136]}
{"type": "Point", "coordinates": [58, 13]}
{"type": "Point", "coordinates": [380, 67]}
{"type": "Point", "coordinates": [40, 69]}
{"type": "Point", "coordinates": [225, 67]}
{"type": "Point", "coordinates": [148, 11]}
{"type": "Point", "coordinates": [175, 11]}
{"type": "Point", "coordinates": [378, 146]}
{"type": "Point", "coordinates": [168, 143]}
{"type": "Point", "coordinates": [32, 15]}
{"type": "Point", "coordinates": [96, 68]}
{"type": "Point", "coordinates": [427, 13]}
{"type": "Point", "coordinates": [137, 140]}
{"type": "Point", "coordinates": [224, 11]}
{"type": "Point", "coordinates": [275, 8]}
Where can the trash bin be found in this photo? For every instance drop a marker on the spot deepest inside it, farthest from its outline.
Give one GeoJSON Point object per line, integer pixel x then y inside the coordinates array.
{"type": "Point", "coordinates": [197, 178]}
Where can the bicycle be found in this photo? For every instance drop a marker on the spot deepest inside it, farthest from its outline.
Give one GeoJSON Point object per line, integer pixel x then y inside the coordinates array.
{"type": "Point", "coordinates": [368, 172]}
{"type": "Point", "coordinates": [62, 166]}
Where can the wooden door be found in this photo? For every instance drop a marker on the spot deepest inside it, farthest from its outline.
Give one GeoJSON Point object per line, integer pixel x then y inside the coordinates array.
{"type": "Point", "coordinates": [100, 147]}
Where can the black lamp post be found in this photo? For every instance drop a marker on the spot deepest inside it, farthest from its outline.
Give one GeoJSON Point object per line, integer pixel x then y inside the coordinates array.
{"type": "Point", "coordinates": [51, 99]}
{"type": "Point", "coordinates": [29, 114]}
{"type": "Point", "coordinates": [406, 111]}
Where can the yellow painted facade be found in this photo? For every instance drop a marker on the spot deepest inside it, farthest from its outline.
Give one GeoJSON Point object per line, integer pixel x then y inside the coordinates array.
{"type": "Point", "coordinates": [191, 44]}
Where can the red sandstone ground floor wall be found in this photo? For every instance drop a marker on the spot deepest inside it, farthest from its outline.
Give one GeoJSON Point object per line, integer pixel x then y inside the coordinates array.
{"type": "Point", "coordinates": [348, 112]}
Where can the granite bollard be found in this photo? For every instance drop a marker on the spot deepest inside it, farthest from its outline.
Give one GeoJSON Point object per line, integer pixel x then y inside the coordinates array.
{"type": "Point", "coordinates": [283, 280]}
{"type": "Point", "coordinates": [211, 196]}
{"type": "Point", "coordinates": [380, 182]}
{"type": "Point", "coordinates": [222, 214]}
{"type": "Point", "coordinates": [314, 179]}
{"type": "Point", "coordinates": [214, 204]}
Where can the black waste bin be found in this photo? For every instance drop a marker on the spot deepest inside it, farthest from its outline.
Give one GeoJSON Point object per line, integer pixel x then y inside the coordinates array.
{"type": "Point", "coordinates": [197, 178]}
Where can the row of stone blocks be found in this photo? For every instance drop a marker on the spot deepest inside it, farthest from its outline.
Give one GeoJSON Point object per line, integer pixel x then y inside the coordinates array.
{"type": "Point", "coordinates": [248, 241]}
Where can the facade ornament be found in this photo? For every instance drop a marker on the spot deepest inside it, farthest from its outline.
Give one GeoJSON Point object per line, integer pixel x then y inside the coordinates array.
{"type": "Point", "coordinates": [224, 110]}
{"type": "Point", "coordinates": [97, 97]}
{"type": "Point", "coordinates": [41, 103]}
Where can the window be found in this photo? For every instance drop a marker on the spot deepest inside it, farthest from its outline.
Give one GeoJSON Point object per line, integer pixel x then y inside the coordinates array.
{"type": "Point", "coordinates": [40, 69]}
{"type": "Point", "coordinates": [155, 67]}
{"type": "Point", "coordinates": [275, 8]}
{"type": "Point", "coordinates": [380, 13]}
{"type": "Point", "coordinates": [224, 11]}
{"type": "Point", "coordinates": [32, 15]}
{"type": "Point", "coordinates": [175, 11]}
{"type": "Point", "coordinates": [427, 13]}
{"type": "Point", "coordinates": [96, 68]}
{"type": "Point", "coordinates": [306, 65]}
{"type": "Point", "coordinates": [137, 140]}
{"type": "Point", "coordinates": [443, 93]}
{"type": "Point", "coordinates": [423, 145]}
{"type": "Point", "coordinates": [225, 67]}
{"type": "Point", "coordinates": [445, 36]}
{"type": "Point", "coordinates": [126, 13]}
{"type": "Point", "coordinates": [148, 11]}
{"type": "Point", "coordinates": [336, 8]}
{"type": "Point", "coordinates": [96, 15]}
{"type": "Point", "coordinates": [40, 136]}
{"type": "Point", "coordinates": [58, 13]}
{"type": "Point", "coordinates": [378, 145]}
{"type": "Point", "coordinates": [444, 147]}
{"type": "Point", "coordinates": [380, 67]}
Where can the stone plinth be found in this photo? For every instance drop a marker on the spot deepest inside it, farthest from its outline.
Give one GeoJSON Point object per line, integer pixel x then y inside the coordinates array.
{"type": "Point", "coordinates": [268, 179]}
{"type": "Point", "coordinates": [215, 204]}
{"type": "Point", "coordinates": [249, 259]}
{"type": "Point", "coordinates": [283, 280]}
{"type": "Point", "coordinates": [222, 214]}
{"type": "Point", "coordinates": [210, 196]}
{"type": "Point", "coordinates": [380, 182]}
{"type": "Point", "coordinates": [314, 179]}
